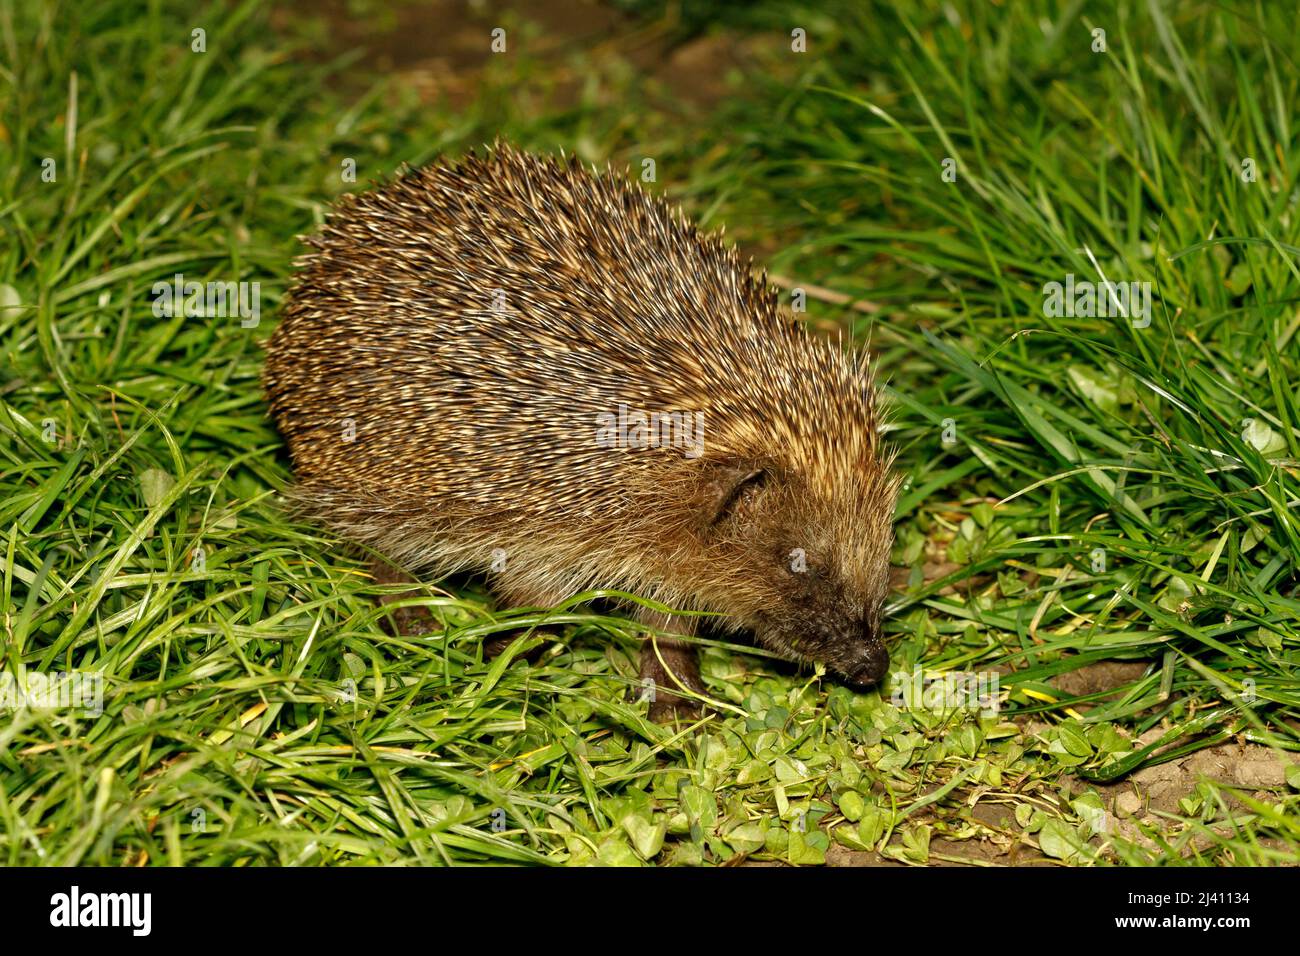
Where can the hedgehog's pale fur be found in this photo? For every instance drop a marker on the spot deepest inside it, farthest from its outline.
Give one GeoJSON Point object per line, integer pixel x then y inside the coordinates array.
{"type": "Point", "coordinates": [475, 425]}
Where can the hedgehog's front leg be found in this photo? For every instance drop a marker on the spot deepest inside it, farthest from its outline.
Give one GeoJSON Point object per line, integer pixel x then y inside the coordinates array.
{"type": "Point", "coordinates": [668, 667]}
{"type": "Point", "coordinates": [404, 621]}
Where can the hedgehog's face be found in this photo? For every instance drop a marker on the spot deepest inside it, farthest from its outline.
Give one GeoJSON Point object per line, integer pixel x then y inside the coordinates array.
{"type": "Point", "coordinates": [810, 577]}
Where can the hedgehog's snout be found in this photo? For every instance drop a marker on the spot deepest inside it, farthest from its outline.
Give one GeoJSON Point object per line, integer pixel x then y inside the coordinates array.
{"type": "Point", "coordinates": [869, 660]}
{"type": "Point", "coordinates": [870, 667]}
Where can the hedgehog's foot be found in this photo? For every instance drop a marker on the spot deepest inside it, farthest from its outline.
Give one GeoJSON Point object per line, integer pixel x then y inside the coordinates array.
{"type": "Point", "coordinates": [404, 621]}
{"type": "Point", "coordinates": [514, 594]}
{"type": "Point", "coordinates": [669, 666]}
{"type": "Point", "coordinates": [495, 645]}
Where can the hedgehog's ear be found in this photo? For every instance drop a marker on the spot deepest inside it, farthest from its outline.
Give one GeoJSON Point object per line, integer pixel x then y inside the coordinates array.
{"type": "Point", "coordinates": [725, 487]}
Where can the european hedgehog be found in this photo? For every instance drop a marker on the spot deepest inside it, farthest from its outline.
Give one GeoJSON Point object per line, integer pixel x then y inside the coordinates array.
{"type": "Point", "coordinates": [514, 366]}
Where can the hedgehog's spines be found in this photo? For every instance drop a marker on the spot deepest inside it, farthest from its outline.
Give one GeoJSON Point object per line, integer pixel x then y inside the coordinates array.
{"type": "Point", "coordinates": [610, 295]}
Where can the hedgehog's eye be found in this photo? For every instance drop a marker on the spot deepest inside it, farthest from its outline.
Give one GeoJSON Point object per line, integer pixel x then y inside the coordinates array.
{"type": "Point", "coordinates": [733, 487]}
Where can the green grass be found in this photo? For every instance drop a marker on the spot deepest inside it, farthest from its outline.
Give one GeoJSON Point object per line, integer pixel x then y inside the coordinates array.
{"type": "Point", "coordinates": [256, 709]}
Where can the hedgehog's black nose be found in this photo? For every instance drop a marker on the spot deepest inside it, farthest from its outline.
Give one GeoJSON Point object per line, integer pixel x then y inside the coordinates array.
{"type": "Point", "coordinates": [871, 667]}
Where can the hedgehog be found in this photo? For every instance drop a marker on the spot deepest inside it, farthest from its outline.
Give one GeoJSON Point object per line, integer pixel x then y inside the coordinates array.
{"type": "Point", "coordinates": [516, 366]}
